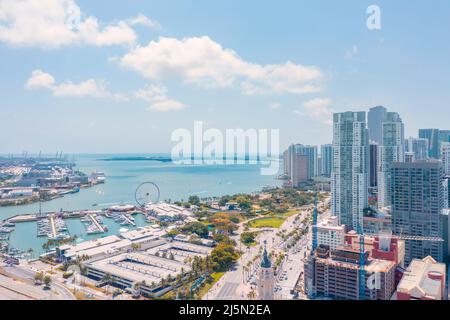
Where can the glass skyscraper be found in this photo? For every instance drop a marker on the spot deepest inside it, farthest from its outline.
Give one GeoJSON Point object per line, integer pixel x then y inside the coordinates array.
{"type": "Point", "coordinates": [432, 135]}
{"type": "Point", "coordinates": [391, 150]}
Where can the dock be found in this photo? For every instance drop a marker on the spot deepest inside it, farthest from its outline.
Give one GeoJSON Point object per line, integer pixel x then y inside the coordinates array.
{"type": "Point", "coordinates": [53, 226]}
{"type": "Point", "coordinates": [95, 222]}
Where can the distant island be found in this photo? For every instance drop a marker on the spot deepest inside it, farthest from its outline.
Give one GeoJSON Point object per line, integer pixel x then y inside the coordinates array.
{"type": "Point", "coordinates": [140, 158]}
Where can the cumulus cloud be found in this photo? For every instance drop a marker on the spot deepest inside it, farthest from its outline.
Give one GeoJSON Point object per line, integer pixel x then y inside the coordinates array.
{"type": "Point", "coordinates": [319, 108]}
{"type": "Point", "coordinates": [156, 95]}
{"type": "Point", "coordinates": [57, 23]}
{"type": "Point", "coordinates": [142, 20]}
{"type": "Point", "coordinates": [203, 62]}
{"type": "Point", "coordinates": [40, 80]}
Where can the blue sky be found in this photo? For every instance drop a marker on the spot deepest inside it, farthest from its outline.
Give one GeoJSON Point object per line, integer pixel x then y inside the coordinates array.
{"type": "Point", "coordinates": [231, 64]}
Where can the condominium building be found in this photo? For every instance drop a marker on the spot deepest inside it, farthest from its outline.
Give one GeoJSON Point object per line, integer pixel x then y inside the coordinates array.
{"type": "Point", "coordinates": [349, 177]}
{"type": "Point", "coordinates": [373, 165]}
{"type": "Point", "coordinates": [375, 120]}
{"type": "Point", "coordinates": [418, 146]}
{"type": "Point", "coordinates": [330, 233]}
{"type": "Point", "coordinates": [445, 152]}
{"type": "Point", "coordinates": [326, 157]}
{"type": "Point", "coordinates": [432, 136]}
{"type": "Point", "coordinates": [311, 153]}
{"type": "Point", "coordinates": [391, 150]}
{"type": "Point", "coordinates": [417, 204]}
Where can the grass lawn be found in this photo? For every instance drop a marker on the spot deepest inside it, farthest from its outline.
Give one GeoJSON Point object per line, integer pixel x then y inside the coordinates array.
{"type": "Point", "coordinates": [291, 213]}
{"type": "Point", "coordinates": [203, 290]}
{"type": "Point", "coordinates": [269, 222]}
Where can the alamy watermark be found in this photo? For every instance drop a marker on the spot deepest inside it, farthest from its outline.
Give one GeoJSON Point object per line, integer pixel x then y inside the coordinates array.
{"type": "Point", "coordinates": [374, 19]}
{"type": "Point", "coordinates": [234, 146]}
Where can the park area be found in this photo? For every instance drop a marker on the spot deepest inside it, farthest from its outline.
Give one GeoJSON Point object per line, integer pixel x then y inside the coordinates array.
{"type": "Point", "coordinates": [267, 222]}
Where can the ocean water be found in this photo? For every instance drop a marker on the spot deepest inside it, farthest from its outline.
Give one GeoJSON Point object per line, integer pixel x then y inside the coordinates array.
{"type": "Point", "coordinates": [176, 182]}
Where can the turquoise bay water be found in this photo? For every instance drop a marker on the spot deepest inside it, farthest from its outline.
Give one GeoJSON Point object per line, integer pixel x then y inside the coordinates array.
{"type": "Point", "coordinates": [176, 182]}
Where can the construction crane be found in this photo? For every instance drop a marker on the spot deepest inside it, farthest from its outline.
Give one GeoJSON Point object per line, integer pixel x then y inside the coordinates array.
{"type": "Point", "coordinates": [362, 263]}
{"type": "Point", "coordinates": [314, 225]}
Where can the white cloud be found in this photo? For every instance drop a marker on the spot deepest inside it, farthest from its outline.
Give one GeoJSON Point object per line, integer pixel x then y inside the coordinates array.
{"type": "Point", "coordinates": [156, 95]}
{"type": "Point", "coordinates": [142, 20]}
{"type": "Point", "coordinates": [275, 105]}
{"type": "Point", "coordinates": [203, 62]}
{"type": "Point", "coordinates": [57, 23]}
{"type": "Point", "coordinates": [319, 108]}
{"type": "Point", "coordinates": [89, 88]}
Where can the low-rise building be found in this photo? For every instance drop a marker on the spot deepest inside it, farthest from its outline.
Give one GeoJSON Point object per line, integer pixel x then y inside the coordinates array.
{"type": "Point", "coordinates": [425, 279]}
{"type": "Point", "coordinates": [331, 234]}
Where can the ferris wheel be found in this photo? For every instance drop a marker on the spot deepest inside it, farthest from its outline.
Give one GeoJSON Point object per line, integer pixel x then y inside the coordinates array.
{"type": "Point", "coordinates": [147, 192]}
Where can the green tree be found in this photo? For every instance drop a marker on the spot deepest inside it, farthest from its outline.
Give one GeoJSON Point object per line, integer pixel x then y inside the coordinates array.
{"type": "Point", "coordinates": [194, 200]}
{"type": "Point", "coordinates": [47, 281]}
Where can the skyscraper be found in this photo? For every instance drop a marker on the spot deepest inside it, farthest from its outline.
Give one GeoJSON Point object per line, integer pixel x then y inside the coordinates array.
{"type": "Point", "coordinates": [391, 150]}
{"type": "Point", "coordinates": [444, 136]}
{"type": "Point", "coordinates": [445, 152]}
{"type": "Point", "coordinates": [373, 165]}
{"type": "Point", "coordinates": [311, 153]}
{"type": "Point", "coordinates": [375, 119]}
{"type": "Point", "coordinates": [417, 203]}
{"type": "Point", "coordinates": [326, 154]}
{"type": "Point", "coordinates": [299, 169]}
{"type": "Point", "coordinates": [432, 135]}
{"type": "Point", "coordinates": [349, 177]}
{"type": "Point", "coordinates": [418, 146]}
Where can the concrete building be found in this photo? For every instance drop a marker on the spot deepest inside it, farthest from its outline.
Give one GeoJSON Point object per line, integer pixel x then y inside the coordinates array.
{"type": "Point", "coordinates": [375, 120]}
{"type": "Point", "coordinates": [168, 212]}
{"type": "Point", "coordinates": [335, 273]}
{"type": "Point", "coordinates": [326, 159]}
{"type": "Point", "coordinates": [432, 136]}
{"type": "Point", "coordinates": [445, 152]}
{"type": "Point", "coordinates": [266, 278]}
{"type": "Point", "coordinates": [329, 233]}
{"type": "Point", "coordinates": [418, 146]}
{"type": "Point", "coordinates": [299, 170]}
{"type": "Point", "coordinates": [144, 237]}
{"type": "Point", "coordinates": [391, 150]}
{"type": "Point", "coordinates": [373, 165]}
{"type": "Point", "coordinates": [146, 268]}
{"type": "Point", "coordinates": [349, 178]}
{"type": "Point", "coordinates": [425, 279]}
{"type": "Point", "coordinates": [417, 204]}
{"type": "Point", "coordinates": [311, 153]}
{"type": "Point", "coordinates": [375, 224]}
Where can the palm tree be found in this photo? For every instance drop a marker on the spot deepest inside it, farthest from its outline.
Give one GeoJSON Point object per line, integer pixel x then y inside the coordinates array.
{"type": "Point", "coordinates": [252, 294]}
{"type": "Point", "coordinates": [107, 278]}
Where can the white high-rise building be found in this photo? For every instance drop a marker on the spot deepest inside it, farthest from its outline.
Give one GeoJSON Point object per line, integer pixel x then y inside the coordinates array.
{"type": "Point", "coordinates": [445, 152]}
{"type": "Point", "coordinates": [349, 177]}
{"type": "Point", "coordinates": [391, 150]}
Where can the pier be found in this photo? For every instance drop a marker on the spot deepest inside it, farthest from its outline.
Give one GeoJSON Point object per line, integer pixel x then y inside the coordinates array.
{"type": "Point", "coordinates": [53, 226]}
{"type": "Point", "coordinates": [95, 222]}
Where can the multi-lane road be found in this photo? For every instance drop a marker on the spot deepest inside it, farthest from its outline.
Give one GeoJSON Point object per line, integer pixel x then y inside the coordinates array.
{"type": "Point", "coordinates": [237, 283]}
